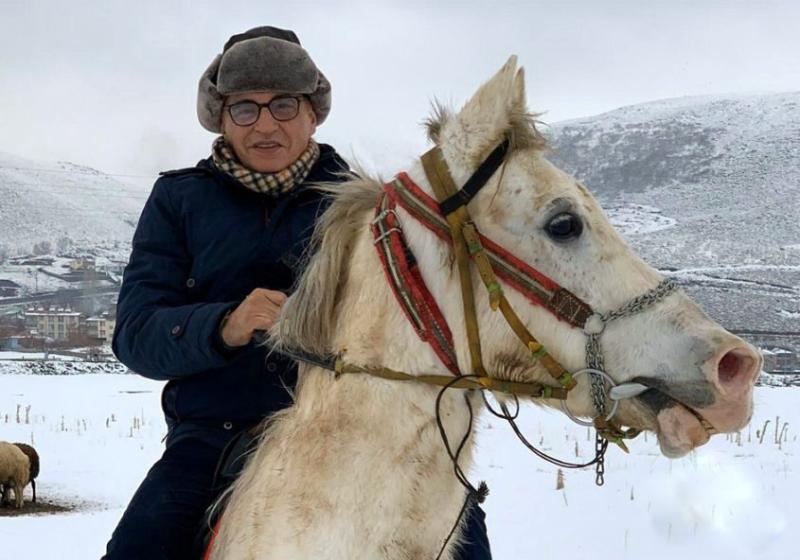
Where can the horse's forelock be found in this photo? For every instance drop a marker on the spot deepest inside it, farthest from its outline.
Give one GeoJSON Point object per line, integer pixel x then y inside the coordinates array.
{"type": "Point", "coordinates": [523, 132]}
{"type": "Point", "coordinates": [440, 114]}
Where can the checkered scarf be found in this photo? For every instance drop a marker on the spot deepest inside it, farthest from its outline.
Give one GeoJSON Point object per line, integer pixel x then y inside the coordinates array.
{"type": "Point", "coordinates": [272, 184]}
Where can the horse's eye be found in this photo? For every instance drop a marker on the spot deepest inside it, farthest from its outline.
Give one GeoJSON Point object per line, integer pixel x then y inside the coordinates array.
{"type": "Point", "coordinates": [564, 227]}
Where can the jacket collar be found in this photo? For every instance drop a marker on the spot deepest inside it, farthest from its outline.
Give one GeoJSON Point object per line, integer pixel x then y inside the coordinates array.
{"type": "Point", "coordinates": [328, 166]}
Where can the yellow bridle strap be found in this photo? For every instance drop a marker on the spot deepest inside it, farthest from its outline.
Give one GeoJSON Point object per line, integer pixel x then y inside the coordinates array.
{"type": "Point", "coordinates": [485, 269]}
{"type": "Point", "coordinates": [497, 300]}
{"type": "Point", "coordinates": [443, 186]}
{"type": "Point", "coordinates": [536, 390]}
{"type": "Point", "coordinates": [538, 352]}
{"type": "Point", "coordinates": [615, 433]}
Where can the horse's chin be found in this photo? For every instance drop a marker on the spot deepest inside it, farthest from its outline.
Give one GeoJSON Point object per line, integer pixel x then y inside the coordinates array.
{"type": "Point", "coordinates": [679, 431]}
{"type": "Point", "coordinates": [679, 428]}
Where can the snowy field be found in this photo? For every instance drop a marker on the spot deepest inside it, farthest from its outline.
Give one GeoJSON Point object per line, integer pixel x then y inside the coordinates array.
{"type": "Point", "coordinates": [736, 498]}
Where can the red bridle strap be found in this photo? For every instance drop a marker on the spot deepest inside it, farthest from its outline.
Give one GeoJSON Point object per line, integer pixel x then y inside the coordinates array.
{"type": "Point", "coordinates": [405, 279]}
{"type": "Point", "coordinates": [535, 286]}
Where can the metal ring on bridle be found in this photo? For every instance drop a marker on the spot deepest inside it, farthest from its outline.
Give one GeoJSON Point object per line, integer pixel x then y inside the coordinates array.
{"type": "Point", "coordinates": [606, 377]}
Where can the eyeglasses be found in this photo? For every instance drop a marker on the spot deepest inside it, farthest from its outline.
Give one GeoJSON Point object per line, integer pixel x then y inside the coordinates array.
{"type": "Point", "coordinates": [247, 112]}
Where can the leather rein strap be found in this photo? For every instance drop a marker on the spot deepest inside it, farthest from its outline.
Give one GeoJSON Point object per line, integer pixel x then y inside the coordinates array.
{"type": "Point", "coordinates": [536, 390]}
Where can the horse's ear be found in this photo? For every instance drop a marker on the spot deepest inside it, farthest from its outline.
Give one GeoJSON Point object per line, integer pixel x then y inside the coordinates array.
{"type": "Point", "coordinates": [485, 118]}
{"type": "Point", "coordinates": [519, 104]}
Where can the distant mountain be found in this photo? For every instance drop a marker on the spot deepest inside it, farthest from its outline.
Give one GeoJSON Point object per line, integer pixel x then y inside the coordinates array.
{"type": "Point", "coordinates": [47, 201]}
{"type": "Point", "coordinates": [706, 189]}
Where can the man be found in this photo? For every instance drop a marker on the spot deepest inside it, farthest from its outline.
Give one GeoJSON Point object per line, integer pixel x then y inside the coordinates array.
{"type": "Point", "coordinates": [216, 249]}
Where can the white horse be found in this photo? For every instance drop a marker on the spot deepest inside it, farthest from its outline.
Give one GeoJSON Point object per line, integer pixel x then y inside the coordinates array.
{"type": "Point", "coordinates": [357, 469]}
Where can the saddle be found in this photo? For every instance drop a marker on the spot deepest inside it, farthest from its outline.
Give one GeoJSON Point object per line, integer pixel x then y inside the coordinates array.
{"type": "Point", "coordinates": [230, 465]}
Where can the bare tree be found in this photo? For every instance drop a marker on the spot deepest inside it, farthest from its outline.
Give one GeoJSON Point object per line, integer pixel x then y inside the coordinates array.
{"type": "Point", "coordinates": [42, 248]}
{"type": "Point", "coordinates": [63, 244]}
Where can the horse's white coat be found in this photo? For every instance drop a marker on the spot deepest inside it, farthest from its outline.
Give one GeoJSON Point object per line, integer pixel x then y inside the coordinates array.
{"type": "Point", "coordinates": [356, 468]}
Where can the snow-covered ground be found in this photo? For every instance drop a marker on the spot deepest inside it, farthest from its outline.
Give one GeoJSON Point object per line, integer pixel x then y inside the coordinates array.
{"type": "Point", "coordinates": [54, 364]}
{"type": "Point", "coordinates": [10, 355]}
{"type": "Point", "coordinates": [736, 498]}
{"type": "Point", "coordinates": [636, 219]}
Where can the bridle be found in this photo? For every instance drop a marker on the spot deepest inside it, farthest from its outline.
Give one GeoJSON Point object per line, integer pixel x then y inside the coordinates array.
{"type": "Point", "coordinates": [448, 218]}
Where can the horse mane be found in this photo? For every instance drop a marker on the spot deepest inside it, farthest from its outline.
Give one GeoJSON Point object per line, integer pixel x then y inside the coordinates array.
{"type": "Point", "coordinates": [306, 321]}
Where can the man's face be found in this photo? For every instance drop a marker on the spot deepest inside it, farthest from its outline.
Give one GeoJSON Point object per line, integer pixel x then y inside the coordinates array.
{"type": "Point", "coordinates": [268, 145]}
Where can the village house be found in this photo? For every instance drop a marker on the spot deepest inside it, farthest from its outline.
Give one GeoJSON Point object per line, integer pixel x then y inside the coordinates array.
{"type": "Point", "coordinates": [780, 360]}
{"type": "Point", "coordinates": [81, 264]}
{"type": "Point", "coordinates": [9, 288]}
{"type": "Point", "coordinates": [101, 327]}
{"type": "Point", "coordinates": [14, 342]}
{"type": "Point", "coordinates": [33, 261]}
{"type": "Point", "coordinates": [58, 323]}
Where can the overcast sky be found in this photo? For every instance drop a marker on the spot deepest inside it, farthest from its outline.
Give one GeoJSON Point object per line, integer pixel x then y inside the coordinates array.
{"type": "Point", "coordinates": [113, 84]}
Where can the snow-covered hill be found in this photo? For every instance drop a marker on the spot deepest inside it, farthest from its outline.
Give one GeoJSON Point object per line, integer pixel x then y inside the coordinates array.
{"type": "Point", "coordinates": [706, 189]}
{"type": "Point", "coordinates": [42, 201]}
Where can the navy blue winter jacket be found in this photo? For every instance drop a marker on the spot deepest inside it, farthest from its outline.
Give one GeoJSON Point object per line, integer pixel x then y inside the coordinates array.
{"type": "Point", "coordinates": [202, 244]}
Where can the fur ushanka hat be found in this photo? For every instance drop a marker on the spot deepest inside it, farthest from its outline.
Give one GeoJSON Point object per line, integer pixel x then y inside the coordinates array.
{"type": "Point", "coordinates": [263, 58]}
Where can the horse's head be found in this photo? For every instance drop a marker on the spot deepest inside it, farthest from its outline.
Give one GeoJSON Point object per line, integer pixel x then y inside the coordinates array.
{"type": "Point", "coordinates": [693, 367]}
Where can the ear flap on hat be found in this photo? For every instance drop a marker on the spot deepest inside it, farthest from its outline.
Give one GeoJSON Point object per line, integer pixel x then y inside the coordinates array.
{"type": "Point", "coordinates": [209, 100]}
{"type": "Point", "coordinates": [321, 98]}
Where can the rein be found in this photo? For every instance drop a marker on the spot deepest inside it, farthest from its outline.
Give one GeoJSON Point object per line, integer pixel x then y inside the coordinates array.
{"type": "Point", "coordinates": [480, 382]}
{"type": "Point", "coordinates": [483, 382]}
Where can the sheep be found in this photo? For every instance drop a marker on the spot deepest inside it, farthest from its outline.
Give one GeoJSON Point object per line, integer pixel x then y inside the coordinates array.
{"type": "Point", "coordinates": [15, 470]}
{"type": "Point", "coordinates": [33, 456]}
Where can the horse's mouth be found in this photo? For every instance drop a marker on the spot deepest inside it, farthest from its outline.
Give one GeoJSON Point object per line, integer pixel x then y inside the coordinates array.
{"type": "Point", "coordinates": [680, 428]}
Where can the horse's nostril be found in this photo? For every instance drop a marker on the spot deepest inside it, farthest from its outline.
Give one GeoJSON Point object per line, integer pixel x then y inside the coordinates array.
{"type": "Point", "coordinates": [738, 366]}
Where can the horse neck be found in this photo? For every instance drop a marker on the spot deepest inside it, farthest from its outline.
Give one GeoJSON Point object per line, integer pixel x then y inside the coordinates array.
{"type": "Point", "coordinates": [372, 330]}
{"type": "Point", "coordinates": [368, 469]}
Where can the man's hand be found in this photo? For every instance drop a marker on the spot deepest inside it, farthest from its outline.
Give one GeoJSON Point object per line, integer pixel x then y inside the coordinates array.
{"type": "Point", "coordinates": [259, 311]}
